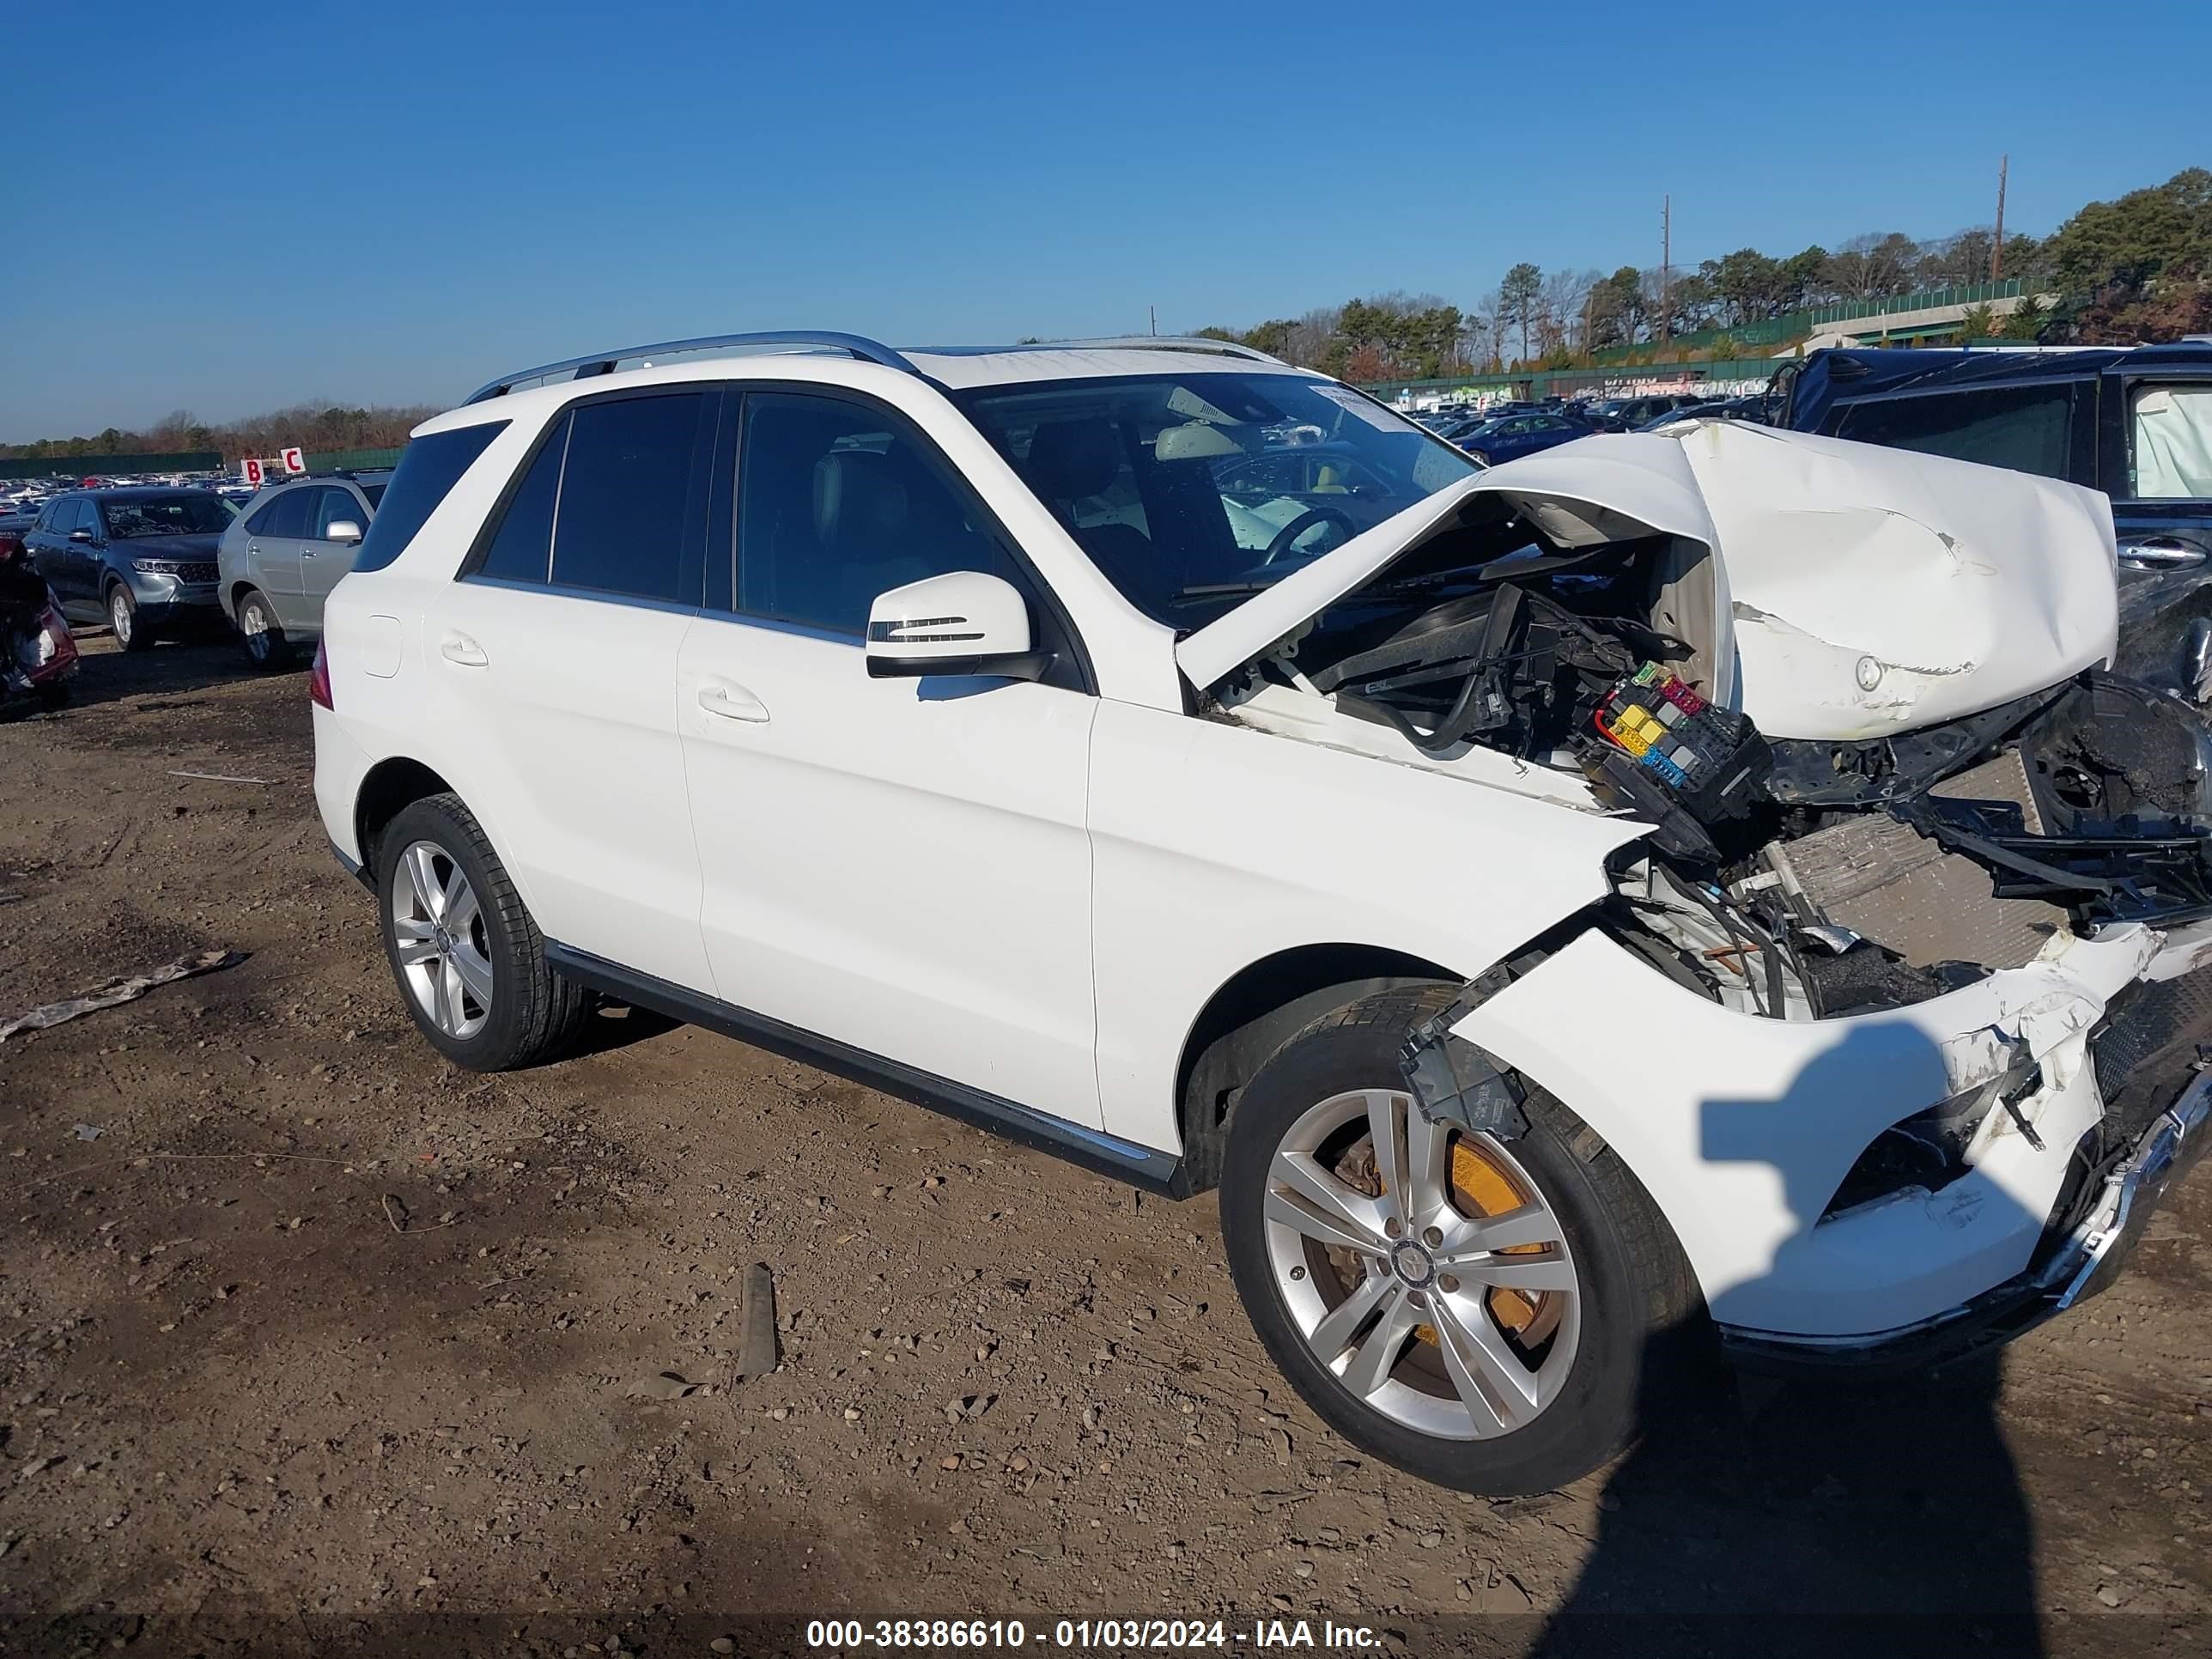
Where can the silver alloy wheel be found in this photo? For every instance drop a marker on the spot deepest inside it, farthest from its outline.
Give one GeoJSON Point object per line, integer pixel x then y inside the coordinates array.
{"type": "Point", "coordinates": [253, 623]}
{"type": "Point", "coordinates": [1412, 1330]}
{"type": "Point", "coordinates": [440, 932]}
{"type": "Point", "coordinates": [119, 614]}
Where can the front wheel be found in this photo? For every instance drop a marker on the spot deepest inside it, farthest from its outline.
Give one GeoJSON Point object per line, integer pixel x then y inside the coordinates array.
{"type": "Point", "coordinates": [470, 962]}
{"type": "Point", "coordinates": [1479, 1312]}
{"type": "Point", "coordinates": [123, 617]}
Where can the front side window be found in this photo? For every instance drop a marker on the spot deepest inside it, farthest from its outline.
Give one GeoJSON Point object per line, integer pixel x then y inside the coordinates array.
{"type": "Point", "coordinates": [1154, 476]}
{"type": "Point", "coordinates": [837, 503]}
{"type": "Point", "coordinates": [429, 467]}
{"type": "Point", "coordinates": [2025, 428]}
{"type": "Point", "coordinates": [625, 495]}
{"type": "Point", "coordinates": [140, 516]}
{"type": "Point", "coordinates": [2170, 429]}
{"type": "Point", "coordinates": [336, 505]}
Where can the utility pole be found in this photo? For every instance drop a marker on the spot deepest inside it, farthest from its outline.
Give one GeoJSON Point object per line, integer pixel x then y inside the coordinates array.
{"type": "Point", "coordinates": [1666, 262]}
{"type": "Point", "coordinates": [1996, 249]}
{"type": "Point", "coordinates": [1153, 313]}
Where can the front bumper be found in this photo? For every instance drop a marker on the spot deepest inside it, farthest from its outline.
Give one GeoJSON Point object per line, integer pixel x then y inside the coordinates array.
{"type": "Point", "coordinates": [2086, 1260]}
{"type": "Point", "coordinates": [167, 598]}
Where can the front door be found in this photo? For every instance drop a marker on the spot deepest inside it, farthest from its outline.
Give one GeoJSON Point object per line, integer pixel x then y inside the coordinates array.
{"type": "Point", "coordinates": [323, 560]}
{"type": "Point", "coordinates": [902, 866]}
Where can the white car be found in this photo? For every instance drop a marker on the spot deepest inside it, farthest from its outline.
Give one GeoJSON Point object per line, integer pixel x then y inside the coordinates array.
{"type": "Point", "coordinates": [1660, 889]}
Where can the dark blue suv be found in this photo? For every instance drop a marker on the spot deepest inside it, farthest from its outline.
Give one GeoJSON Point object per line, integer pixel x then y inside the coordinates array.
{"type": "Point", "coordinates": [140, 560]}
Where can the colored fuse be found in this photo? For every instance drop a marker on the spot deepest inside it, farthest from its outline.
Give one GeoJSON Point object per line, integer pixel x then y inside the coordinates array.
{"type": "Point", "coordinates": [1683, 698]}
{"type": "Point", "coordinates": [1665, 768]}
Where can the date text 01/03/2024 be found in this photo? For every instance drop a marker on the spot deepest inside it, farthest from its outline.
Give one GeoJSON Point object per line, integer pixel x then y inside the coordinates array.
{"type": "Point", "coordinates": [1082, 1635]}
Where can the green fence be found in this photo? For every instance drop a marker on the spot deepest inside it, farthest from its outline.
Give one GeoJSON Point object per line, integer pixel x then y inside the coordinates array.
{"type": "Point", "coordinates": [1972, 294]}
{"type": "Point", "coordinates": [350, 460]}
{"type": "Point", "coordinates": [101, 466]}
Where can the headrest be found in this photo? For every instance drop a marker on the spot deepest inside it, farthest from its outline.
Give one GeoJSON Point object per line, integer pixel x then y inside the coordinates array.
{"type": "Point", "coordinates": [1071, 459]}
{"type": "Point", "coordinates": [859, 501]}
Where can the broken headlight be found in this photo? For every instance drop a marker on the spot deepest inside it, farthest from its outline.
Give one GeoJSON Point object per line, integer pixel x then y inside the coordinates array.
{"type": "Point", "coordinates": [1926, 1151]}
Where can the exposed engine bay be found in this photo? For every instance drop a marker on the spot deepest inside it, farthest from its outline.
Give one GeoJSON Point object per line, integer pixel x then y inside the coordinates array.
{"type": "Point", "coordinates": [1793, 877]}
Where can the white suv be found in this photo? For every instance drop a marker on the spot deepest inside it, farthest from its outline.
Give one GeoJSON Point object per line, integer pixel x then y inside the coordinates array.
{"type": "Point", "coordinates": [1666, 888]}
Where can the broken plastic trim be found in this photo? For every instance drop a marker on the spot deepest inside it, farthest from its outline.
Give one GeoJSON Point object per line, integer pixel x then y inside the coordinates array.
{"type": "Point", "coordinates": [1454, 1083]}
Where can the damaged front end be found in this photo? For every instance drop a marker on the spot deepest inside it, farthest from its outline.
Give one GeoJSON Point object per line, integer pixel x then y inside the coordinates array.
{"type": "Point", "coordinates": [1895, 1008]}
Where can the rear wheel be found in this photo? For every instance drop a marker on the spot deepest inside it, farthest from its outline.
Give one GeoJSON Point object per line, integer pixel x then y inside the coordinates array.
{"type": "Point", "coordinates": [1479, 1312]}
{"type": "Point", "coordinates": [265, 645]}
{"type": "Point", "coordinates": [123, 617]}
{"type": "Point", "coordinates": [470, 962]}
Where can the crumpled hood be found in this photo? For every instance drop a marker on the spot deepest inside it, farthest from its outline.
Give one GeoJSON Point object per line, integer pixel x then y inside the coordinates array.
{"type": "Point", "coordinates": [1868, 591]}
{"type": "Point", "coordinates": [1878, 590]}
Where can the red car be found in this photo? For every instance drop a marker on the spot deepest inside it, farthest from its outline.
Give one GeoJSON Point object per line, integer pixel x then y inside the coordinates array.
{"type": "Point", "coordinates": [38, 654]}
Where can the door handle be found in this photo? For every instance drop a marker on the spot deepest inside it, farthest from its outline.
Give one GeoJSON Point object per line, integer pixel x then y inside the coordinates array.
{"type": "Point", "coordinates": [731, 703]}
{"type": "Point", "coordinates": [459, 648]}
{"type": "Point", "coordinates": [2161, 553]}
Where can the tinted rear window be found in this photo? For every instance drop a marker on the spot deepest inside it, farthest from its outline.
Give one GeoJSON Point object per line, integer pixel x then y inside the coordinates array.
{"type": "Point", "coordinates": [625, 495]}
{"type": "Point", "coordinates": [429, 467]}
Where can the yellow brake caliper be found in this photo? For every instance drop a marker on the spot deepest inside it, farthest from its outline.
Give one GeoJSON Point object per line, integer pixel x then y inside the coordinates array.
{"type": "Point", "coordinates": [1482, 1188]}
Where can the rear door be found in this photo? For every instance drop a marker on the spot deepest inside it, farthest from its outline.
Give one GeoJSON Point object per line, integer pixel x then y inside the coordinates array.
{"type": "Point", "coordinates": [554, 653]}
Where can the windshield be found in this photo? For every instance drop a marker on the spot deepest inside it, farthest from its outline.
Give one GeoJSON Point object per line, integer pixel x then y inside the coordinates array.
{"type": "Point", "coordinates": [165, 515]}
{"type": "Point", "coordinates": [1191, 491]}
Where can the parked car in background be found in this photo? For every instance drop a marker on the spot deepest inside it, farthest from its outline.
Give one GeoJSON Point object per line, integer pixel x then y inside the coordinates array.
{"type": "Point", "coordinates": [140, 560]}
{"type": "Point", "coordinates": [283, 554]}
{"type": "Point", "coordinates": [1722, 409]}
{"type": "Point", "coordinates": [1511, 436]}
{"type": "Point", "coordinates": [2135, 422]}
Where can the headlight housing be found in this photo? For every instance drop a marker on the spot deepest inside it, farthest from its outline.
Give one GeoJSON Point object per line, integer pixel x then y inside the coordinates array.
{"type": "Point", "coordinates": [1927, 1151]}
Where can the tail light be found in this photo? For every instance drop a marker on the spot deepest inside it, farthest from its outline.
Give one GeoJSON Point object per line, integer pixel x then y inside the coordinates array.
{"type": "Point", "coordinates": [318, 678]}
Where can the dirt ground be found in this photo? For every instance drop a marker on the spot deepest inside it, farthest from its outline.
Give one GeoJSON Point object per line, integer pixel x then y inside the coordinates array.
{"type": "Point", "coordinates": [324, 1346]}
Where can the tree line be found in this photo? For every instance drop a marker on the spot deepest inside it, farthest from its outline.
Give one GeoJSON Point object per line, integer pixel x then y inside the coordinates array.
{"type": "Point", "coordinates": [2135, 269]}
{"type": "Point", "coordinates": [311, 426]}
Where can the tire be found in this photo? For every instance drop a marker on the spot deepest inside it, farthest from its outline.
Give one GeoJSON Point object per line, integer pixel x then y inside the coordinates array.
{"type": "Point", "coordinates": [1418, 1382]}
{"type": "Point", "coordinates": [259, 634]}
{"type": "Point", "coordinates": [123, 616]}
{"type": "Point", "coordinates": [478, 989]}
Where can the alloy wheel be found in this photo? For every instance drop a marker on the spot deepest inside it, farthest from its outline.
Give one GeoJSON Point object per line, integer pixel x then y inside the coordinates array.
{"type": "Point", "coordinates": [1421, 1266]}
{"type": "Point", "coordinates": [438, 930]}
{"type": "Point", "coordinates": [253, 623]}
{"type": "Point", "coordinates": [119, 615]}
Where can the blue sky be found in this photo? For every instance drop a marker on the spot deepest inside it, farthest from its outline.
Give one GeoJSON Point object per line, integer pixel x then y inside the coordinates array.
{"type": "Point", "coordinates": [392, 203]}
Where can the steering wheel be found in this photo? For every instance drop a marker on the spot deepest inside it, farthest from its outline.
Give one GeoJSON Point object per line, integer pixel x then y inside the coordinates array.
{"type": "Point", "coordinates": [1280, 543]}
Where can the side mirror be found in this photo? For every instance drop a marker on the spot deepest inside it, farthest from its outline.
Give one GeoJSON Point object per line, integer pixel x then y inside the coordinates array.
{"type": "Point", "coordinates": [962, 623]}
{"type": "Point", "coordinates": [343, 530]}
{"type": "Point", "coordinates": [80, 535]}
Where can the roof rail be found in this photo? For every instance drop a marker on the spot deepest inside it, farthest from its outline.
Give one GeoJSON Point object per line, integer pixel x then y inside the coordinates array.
{"type": "Point", "coordinates": [603, 362]}
{"type": "Point", "coordinates": [1113, 342]}
{"type": "Point", "coordinates": [1179, 342]}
